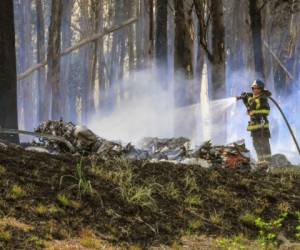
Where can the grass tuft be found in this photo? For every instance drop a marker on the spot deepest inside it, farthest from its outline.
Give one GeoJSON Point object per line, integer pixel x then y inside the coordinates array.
{"type": "Point", "coordinates": [248, 219]}
{"type": "Point", "coordinates": [16, 192]}
{"type": "Point", "coordinates": [84, 186]}
{"type": "Point", "coordinates": [5, 235]}
{"type": "Point", "coordinates": [2, 170]}
{"type": "Point", "coordinates": [89, 240]}
{"type": "Point", "coordinates": [41, 209]}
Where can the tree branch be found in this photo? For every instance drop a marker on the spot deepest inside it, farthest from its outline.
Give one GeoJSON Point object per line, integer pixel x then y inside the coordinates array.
{"type": "Point", "coordinates": [263, 5]}
{"type": "Point", "coordinates": [203, 28]}
{"type": "Point", "coordinates": [83, 42]}
{"type": "Point", "coordinates": [278, 61]}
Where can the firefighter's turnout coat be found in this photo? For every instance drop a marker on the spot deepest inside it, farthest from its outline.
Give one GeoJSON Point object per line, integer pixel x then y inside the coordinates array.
{"type": "Point", "coordinates": [258, 109]}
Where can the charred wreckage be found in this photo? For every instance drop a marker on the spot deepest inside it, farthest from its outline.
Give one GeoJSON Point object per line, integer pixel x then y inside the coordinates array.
{"type": "Point", "coordinates": [59, 137]}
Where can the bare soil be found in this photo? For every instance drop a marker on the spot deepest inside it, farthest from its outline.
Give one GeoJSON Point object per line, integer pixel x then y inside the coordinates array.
{"type": "Point", "coordinates": [211, 202]}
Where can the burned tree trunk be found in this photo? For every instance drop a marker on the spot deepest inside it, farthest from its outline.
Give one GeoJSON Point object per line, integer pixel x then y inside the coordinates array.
{"type": "Point", "coordinates": [285, 68]}
{"type": "Point", "coordinates": [116, 53]}
{"type": "Point", "coordinates": [101, 61]}
{"type": "Point", "coordinates": [25, 59]}
{"type": "Point", "coordinates": [151, 30]}
{"type": "Point", "coordinates": [183, 67]}
{"type": "Point", "coordinates": [8, 81]}
{"type": "Point", "coordinates": [97, 10]}
{"type": "Point", "coordinates": [40, 26]}
{"type": "Point", "coordinates": [216, 56]}
{"type": "Point", "coordinates": [53, 76]}
{"type": "Point", "coordinates": [256, 30]}
{"type": "Point", "coordinates": [131, 41]}
{"type": "Point", "coordinates": [218, 68]}
{"type": "Point", "coordinates": [84, 83]}
{"type": "Point", "coordinates": [218, 50]}
{"type": "Point", "coordinates": [161, 47]}
{"type": "Point", "coordinates": [68, 96]}
{"type": "Point", "coordinates": [183, 52]}
{"type": "Point", "coordinates": [161, 44]}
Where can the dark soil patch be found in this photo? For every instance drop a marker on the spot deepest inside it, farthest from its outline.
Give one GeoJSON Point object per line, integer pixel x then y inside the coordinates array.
{"type": "Point", "coordinates": [182, 199]}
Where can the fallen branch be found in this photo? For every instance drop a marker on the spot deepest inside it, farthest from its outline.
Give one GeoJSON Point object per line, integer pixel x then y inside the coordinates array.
{"type": "Point", "coordinates": [49, 137]}
{"type": "Point", "coordinates": [83, 42]}
{"type": "Point", "coordinates": [278, 61]}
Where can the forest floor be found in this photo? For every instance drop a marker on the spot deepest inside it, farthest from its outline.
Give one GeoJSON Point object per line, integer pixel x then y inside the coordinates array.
{"type": "Point", "coordinates": [68, 202]}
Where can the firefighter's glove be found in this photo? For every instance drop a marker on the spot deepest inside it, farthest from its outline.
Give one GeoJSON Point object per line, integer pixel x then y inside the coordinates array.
{"type": "Point", "coordinates": [244, 95]}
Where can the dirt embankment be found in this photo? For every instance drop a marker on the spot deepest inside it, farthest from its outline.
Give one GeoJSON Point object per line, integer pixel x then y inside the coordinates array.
{"type": "Point", "coordinates": [46, 199]}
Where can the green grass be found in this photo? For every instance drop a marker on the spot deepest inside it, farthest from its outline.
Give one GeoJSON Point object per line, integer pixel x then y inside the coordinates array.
{"type": "Point", "coordinates": [83, 185]}
{"type": "Point", "coordinates": [67, 202]}
{"type": "Point", "coordinates": [126, 182]}
{"type": "Point", "coordinates": [16, 192]}
{"type": "Point", "coordinates": [170, 191]}
{"type": "Point", "coordinates": [268, 231]}
{"type": "Point", "coordinates": [2, 170]}
{"type": "Point", "coordinates": [5, 235]}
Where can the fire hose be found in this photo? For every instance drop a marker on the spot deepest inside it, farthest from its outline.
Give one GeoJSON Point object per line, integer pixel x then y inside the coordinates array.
{"type": "Point", "coordinates": [286, 122]}
{"type": "Point", "coordinates": [285, 119]}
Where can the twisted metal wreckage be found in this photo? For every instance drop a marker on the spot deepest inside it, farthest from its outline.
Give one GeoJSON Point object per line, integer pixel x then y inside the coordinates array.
{"type": "Point", "coordinates": [59, 137]}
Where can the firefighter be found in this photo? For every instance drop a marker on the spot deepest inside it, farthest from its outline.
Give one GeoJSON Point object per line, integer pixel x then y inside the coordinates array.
{"type": "Point", "coordinates": [258, 109]}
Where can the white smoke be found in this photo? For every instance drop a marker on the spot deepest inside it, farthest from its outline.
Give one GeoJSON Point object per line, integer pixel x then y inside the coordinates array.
{"type": "Point", "coordinates": [148, 110]}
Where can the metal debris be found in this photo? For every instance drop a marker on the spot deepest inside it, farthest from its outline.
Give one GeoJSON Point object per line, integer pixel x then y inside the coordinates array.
{"type": "Point", "coordinates": [58, 137]}
{"type": "Point", "coordinates": [176, 150]}
{"type": "Point", "coordinates": [3, 146]}
{"type": "Point", "coordinates": [37, 149]}
{"type": "Point", "coordinates": [168, 149]}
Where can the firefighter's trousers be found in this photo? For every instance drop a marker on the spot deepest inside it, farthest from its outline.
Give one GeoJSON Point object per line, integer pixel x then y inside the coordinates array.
{"type": "Point", "coordinates": [261, 143]}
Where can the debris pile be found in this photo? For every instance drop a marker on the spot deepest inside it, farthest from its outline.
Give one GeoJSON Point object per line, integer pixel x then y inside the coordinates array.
{"type": "Point", "coordinates": [167, 149]}
{"type": "Point", "coordinates": [74, 139]}
{"type": "Point", "coordinates": [58, 137]}
{"type": "Point", "coordinates": [234, 155]}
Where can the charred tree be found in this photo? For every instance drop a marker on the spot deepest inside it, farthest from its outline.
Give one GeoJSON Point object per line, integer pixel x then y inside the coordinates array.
{"type": "Point", "coordinates": [95, 19]}
{"type": "Point", "coordinates": [141, 34]}
{"type": "Point", "coordinates": [183, 66]}
{"type": "Point", "coordinates": [151, 30]}
{"type": "Point", "coordinates": [117, 52]}
{"type": "Point", "coordinates": [131, 32]}
{"type": "Point", "coordinates": [256, 31]}
{"type": "Point", "coordinates": [161, 41]}
{"type": "Point", "coordinates": [216, 55]}
{"type": "Point", "coordinates": [84, 81]}
{"type": "Point", "coordinates": [235, 55]}
{"type": "Point", "coordinates": [25, 59]}
{"type": "Point", "coordinates": [8, 81]}
{"type": "Point", "coordinates": [68, 102]}
{"type": "Point", "coordinates": [183, 52]}
{"type": "Point", "coordinates": [101, 61]}
{"type": "Point", "coordinates": [41, 54]}
{"type": "Point", "coordinates": [53, 75]}
{"type": "Point", "coordinates": [218, 50]}
{"type": "Point", "coordinates": [161, 47]}
{"type": "Point", "coordinates": [285, 71]}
